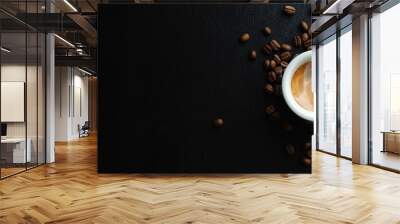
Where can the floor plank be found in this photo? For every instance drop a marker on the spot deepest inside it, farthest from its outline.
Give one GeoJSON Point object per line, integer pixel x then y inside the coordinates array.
{"type": "Point", "coordinates": [71, 191]}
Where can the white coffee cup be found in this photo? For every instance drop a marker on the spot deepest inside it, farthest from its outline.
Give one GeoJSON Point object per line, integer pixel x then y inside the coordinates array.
{"type": "Point", "coordinates": [297, 86]}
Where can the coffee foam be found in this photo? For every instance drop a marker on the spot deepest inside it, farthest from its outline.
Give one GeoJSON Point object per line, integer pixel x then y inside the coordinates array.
{"type": "Point", "coordinates": [301, 86]}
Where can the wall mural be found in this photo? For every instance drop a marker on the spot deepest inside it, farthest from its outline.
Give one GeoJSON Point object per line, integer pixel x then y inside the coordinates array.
{"type": "Point", "coordinates": [209, 88]}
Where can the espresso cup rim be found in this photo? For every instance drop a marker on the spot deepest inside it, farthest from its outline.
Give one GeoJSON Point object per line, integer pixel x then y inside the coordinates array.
{"type": "Point", "coordinates": [296, 63]}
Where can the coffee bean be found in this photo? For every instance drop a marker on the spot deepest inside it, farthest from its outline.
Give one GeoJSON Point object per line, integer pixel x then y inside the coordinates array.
{"type": "Point", "coordinates": [307, 146]}
{"type": "Point", "coordinates": [286, 56]}
{"type": "Point", "coordinates": [267, 30]}
{"type": "Point", "coordinates": [277, 59]}
{"type": "Point", "coordinates": [286, 47]}
{"type": "Point", "coordinates": [289, 10]}
{"type": "Point", "coordinates": [290, 149]}
{"type": "Point", "coordinates": [244, 37]}
{"type": "Point", "coordinates": [284, 64]}
{"type": "Point", "coordinates": [307, 161]}
{"type": "Point", "coordinates": [267, 49]}
{"type": "Point", "coordinates": [273, 64]}
{"type": "Point", "coordinates": [270, 109]}
{"type": "Point", "coordinates": [218, 122]}
{"type": "Point", "coordinates": [269, 89]}
{"type": "Point", "coordinates": [271, 76]}
{"type": "Point", "coordinates": [253, 55]}
{"type": "Point", "coordinates": [297, 41]}
{"type": "Point", "coordinates": [305, 37]}
{"type": "Point", "coordinates": [276, 46]}
{"type": "Point", "coordinates": [267, 64]}
{"type": "Point", "coordinates": [307, 43]}
{"type": "Point", "coordinates": [304, 26]}
{"type": "Point", "coordinates": [278, 70]}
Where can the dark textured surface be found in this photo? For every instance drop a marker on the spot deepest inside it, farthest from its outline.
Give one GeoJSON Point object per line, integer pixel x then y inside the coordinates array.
{"type": "Point", "coordinates": [167, 71]}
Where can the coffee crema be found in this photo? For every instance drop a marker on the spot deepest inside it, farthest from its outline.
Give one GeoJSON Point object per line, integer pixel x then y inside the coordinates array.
{"type": "Point", "coordinates": [302, 87]}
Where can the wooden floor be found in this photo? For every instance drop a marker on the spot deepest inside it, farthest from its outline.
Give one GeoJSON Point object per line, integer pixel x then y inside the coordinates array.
{"type": "Point", "coordinates": [70, 191]}
{"type": "Point", "coordinates": [5, 172]}
{"type": "Point", "coordinates": [387, 159]}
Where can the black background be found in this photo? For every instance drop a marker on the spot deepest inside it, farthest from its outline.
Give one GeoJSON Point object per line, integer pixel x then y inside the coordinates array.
{"type": "Point", "coordinates": [166, 71]}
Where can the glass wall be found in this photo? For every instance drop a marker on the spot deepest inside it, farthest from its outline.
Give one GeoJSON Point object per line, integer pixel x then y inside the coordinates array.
{"type": "Point", "coordinates": [385, 89]}
{"type": "Point", "coordinates": [327, 98]}
{"type": "Point", "coordinates": [334, 67]}
{"type": "Point", "coordinates": [13, 123]}
{"type": "Point", "coordinates": [22, 88]}
{"type": "Point", "coordinates": [346, 95]}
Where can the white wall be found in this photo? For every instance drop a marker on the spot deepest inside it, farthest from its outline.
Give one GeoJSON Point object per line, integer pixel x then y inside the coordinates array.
{"type": "Point", "coordinates": [71, 102]}
{"type": "Point", "coordinates": [80, 111]}
{"type": "Point", "coordinates": [62, 81]}
{"type": "Point", "coordinates": [33, 127]}
{"type": "Point", "coordinates": [9, 73]}
{"type": "Point", "coordinates": [15, 72]}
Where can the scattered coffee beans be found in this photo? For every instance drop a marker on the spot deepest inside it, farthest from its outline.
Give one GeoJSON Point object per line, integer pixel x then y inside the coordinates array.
{"type": "Point", "coordinates": [218, 122]}
{"type": "Point", "coordinates": [278, 55]}
{"type": "Point", "coordinates": [267, 64]}
{"type": "Point", "coordinates": [269, 89]}
{"type": "Point", "coordinates": [276, 46]}
{"type": "Point", "coordinates": [304, 26]}
{"type": "Point", "coordinates": [267, 49]}
{"type": "Point", "coordinates": [267, 30]}
{"type": "Point", "coordinates": [277, 59]}
{"type": "Point", "coordinates": [278, 70]}
{"type": "Point", "coordinates": [289, 10]}
{"type": "Point", "coordinates": [286, 47]}
{"type": "Point", "coordinates": [286, 56]}
{"type": "Point", "coordinates": [244, 37]}
{"type": "Point", "coordinates": [273, 64]}
{"type": "Point", "coordinates": [305, 37]}
{"type": "Point", "coordinates": [271, 76]}
{"type": "Point", "coordinates": [307, 43]}
{"type": "Point", "coordinates": [307, 161]}
{"type": "Point", "coordinates": [297, 41]}
{"type": "Point", "coordinates": [253, 55]}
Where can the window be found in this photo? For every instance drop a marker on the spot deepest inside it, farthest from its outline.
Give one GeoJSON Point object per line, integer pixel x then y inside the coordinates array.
{"type": "Point", "coordinates": [327, 95]}
{"type": "Point", "coordinates": [385, 89]}
{"type": "Point", "coordinates": [346, 95]}
{"type": "Point", "coordinates": [22, 77]}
